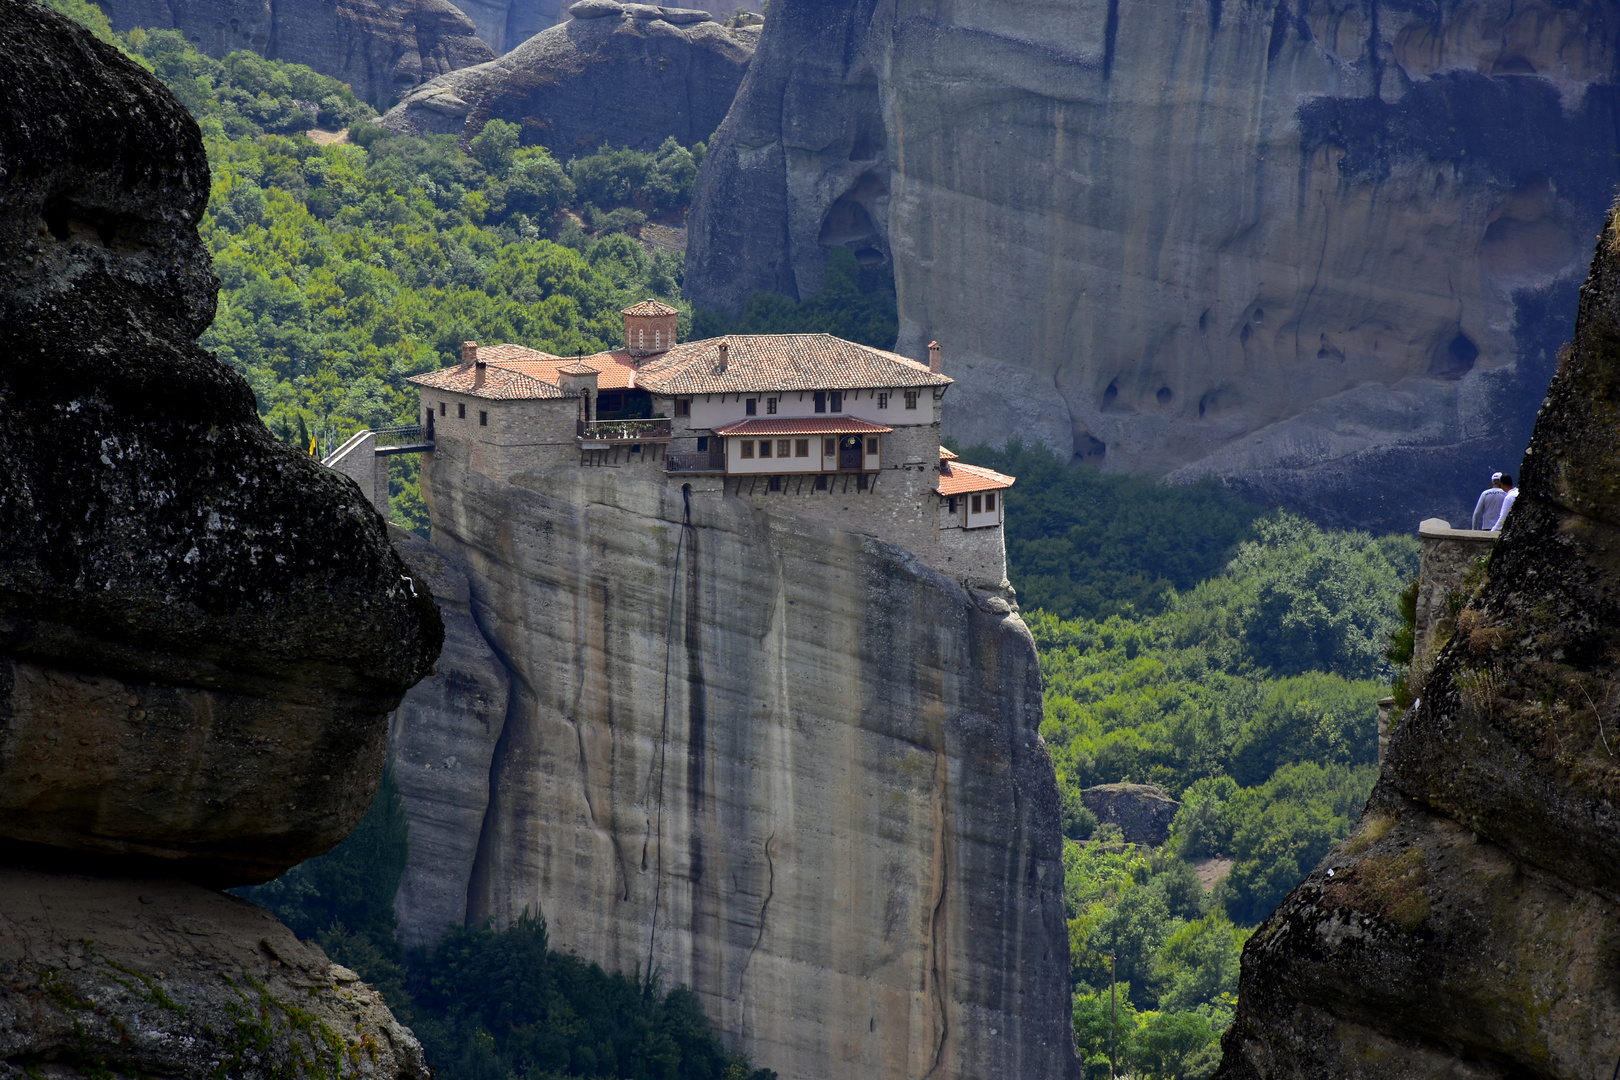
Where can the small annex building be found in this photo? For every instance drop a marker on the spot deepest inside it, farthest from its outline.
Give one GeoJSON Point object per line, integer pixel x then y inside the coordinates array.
{"type": "Point", "coordinates": [842, 432]}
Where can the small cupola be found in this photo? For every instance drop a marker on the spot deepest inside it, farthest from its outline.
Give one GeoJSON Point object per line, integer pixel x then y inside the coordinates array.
{"type": "Point", "coordinates": [649, 329]}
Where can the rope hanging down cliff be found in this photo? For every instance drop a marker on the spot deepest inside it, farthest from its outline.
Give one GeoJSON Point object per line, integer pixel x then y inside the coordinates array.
{"type": "Point", "coordinates": [663, 731]}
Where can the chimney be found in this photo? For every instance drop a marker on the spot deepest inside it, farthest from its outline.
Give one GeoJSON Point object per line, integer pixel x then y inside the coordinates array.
{"type": "Point", "coordinates": [933, 357]}
{"type": "Point", "coordinates": [725, 355]}
{"type": "Point", "coordinates": [469, 351]}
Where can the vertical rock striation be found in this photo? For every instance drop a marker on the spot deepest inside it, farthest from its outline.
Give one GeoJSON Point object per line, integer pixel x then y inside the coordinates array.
{"type": "Point", "coordinates": [1295, 244]}
{"type": "Point", "coordinates": [1467, 927]}
{"type": "Point", "coordinates": [786, 765]}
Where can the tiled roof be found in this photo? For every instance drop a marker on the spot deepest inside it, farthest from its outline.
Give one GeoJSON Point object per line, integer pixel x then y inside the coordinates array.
{"type": "Point", "coordinates": [578, 367]}
{"type": "Point", "coordinates": [763, 362]}
{"type": "Point", "coordinates": [499, 383]}
{"type": "Point", "coordinates": [834, 425]}
{"type": "Point", "coordinates": [946, 455]}
{"type": "Point", "coordinates": [615, 371]}
{"type": "Point", "coordinates": [649, 307]}
{"type": "Point", "coordinates": [957, 478]}
{"type": "Point", "coordinates": [495, 354]}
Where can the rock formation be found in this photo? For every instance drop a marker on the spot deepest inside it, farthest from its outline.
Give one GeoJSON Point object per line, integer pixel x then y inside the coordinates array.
{"type": "Point", "coordinates": [381, 48]}
{"type": "Point", "coordinates": [1467, 927]}
{"type": "Point", "coordinates": [506, 24]}
{"type": "Point", "coordinates": [1143, 812]}
{"type": "Point", "coordinates": [201, 631]}
{"type": "Point", "coordinates": [441, 744]}
{"type": "Point", "coordinates": [1297, 245]}
{"type": "Point", "coordinates": [788, 766]}
{"type": "Point", "coordinates": [617, 74]}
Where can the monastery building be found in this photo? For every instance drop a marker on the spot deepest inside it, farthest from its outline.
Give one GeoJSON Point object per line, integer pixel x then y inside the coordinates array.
{"type": "Point", "coordinates": [810, 423]}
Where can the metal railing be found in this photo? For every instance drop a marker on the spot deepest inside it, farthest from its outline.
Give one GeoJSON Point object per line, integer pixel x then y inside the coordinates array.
{"type": "Point", "coordinates": [707, 461]}
{"type": "Point", "coordinates": [399, 436]}
{"type": "Point", "coordinates": [625, 430]}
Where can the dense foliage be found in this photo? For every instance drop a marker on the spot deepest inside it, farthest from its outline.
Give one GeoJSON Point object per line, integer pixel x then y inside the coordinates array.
{"type": "Point", "coordinates": [490, 1004]}
{"type": "Point", "coordinates": [1231, 656]}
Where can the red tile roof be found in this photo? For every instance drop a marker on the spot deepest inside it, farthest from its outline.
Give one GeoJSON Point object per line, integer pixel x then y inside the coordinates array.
{"type": "Point", "coordinates": [833, 425]}
{"type": "Point", "coordinates": [957, 478]}
{"type": "Point", "coordinates": [763, 362]}
{"type": "Point", "coordinates": [946, 455]}
{"type": "Point", "coordinates": [649, 307]}
{"type": "Point", "coordinates": [499, 383]}
{"type": "Point", "coordinates": [756, 363]}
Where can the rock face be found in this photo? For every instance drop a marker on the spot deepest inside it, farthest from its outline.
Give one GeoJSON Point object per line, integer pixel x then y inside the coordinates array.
{"type": "Point", "coordinates": [506, 24]}
{"type": "Point", "coordinates": [625, 75]}
{"type": "Point", "coordinates": [788, 766]}
{"type": "Point", "coordinates": [1466, 927]}
{"type": "Point", "coordinates": [381, 48]}
{"type": "Point", "coordinates": [165, 978]}
{"type": "Point", "coordinates": [201, 630]}
{"type": "Point", "coordinates": [1296, 245]}
{"type": "Point", "coordinates": [1143, 812]}
{"type": "Point", "coordinates": [441, 743]}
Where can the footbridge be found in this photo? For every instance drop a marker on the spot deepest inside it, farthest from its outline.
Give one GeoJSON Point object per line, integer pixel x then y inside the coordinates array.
{"type": "Point", "coordinates": [364, 458]}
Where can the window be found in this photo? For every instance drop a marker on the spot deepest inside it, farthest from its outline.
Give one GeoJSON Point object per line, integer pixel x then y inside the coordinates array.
{"type": "Point", "coordinates": [973, 508]}
{"type": "Point", "coordinates": [801, 448]}
{"type": "Point", "coordinates": [683, 406]}
{"type": "Point", "coordinates": [461, 410]}
{"type": "Point", "coordinates": [764, 448]}
{"type": "Point", "coordinates": [441, 408]}
{"type": "Point", "coordinates": [837, 401]}
{"type": "Point", "coordinates": [783, 447]}
{"type": "Point", "coordinates": [703, 443]}
{"type": "Point", "coordinates": [770, 406]}
{"type": "Point", "coordinates": [752, 407]}
{"type": "Point", "coordinates": [883, 401]}
{"type": "Point", "coordinates": [747, 447]}
{"type": "Point", "coordinates": [483, 418]}
{"type": "Point", "coordinates": [776, 483]}
{"type": "Point", "coordinates": [990, 503]}
{"type": "Point", "coordinates": [829, 447]}
{"type": "Point", "coordinates": [952, 501]}
{"type": "Point", "coordinates": [821, 482]}
{"type": "Point", "coordinates": [871, 445]}
{"type": "Point", "coordinates": [911, 399]}
{"type": "Point", "coordinates": [821, 401]}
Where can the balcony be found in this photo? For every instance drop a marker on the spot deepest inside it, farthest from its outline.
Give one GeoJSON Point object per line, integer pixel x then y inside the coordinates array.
{"type": "Point", "coordinates": [611, 432]}
{"type": "Point", "coordinates": [708, 461]}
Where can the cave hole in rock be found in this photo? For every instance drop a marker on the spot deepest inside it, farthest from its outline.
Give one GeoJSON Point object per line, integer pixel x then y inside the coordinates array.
{"type": "Point", "coordinates": [1087, 447]}
{"type": "Point", "coordinates": [1328, 351]}
{"type": "Point", "coordinates": [1259, 315]}
{"type": "Point", "coordinates": [66, 220]}
{"type": "Point", "coordinates": [1110, 395]}
{"type": "Point", "coordinates": [1164, 395]}
{"type": "Point", "coordinates": [1203, 406]}
{"type": "Point", "coordinates": [1203, 321]}
{"type": "Point", "coordinates": [1244, 337]}
{"type": "Point", "coordinates": [851, 221]}
{"type": "Point", "coordinates": [1456, 359]}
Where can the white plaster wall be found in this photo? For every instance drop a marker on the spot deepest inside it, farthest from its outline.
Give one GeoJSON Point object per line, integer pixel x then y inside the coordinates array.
{"type": "Point", "coordinates": [717, 410]}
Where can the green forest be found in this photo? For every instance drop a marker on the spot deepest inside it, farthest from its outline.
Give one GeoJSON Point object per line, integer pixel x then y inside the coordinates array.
{"type": "Point", "coordinates": [1230, 654]}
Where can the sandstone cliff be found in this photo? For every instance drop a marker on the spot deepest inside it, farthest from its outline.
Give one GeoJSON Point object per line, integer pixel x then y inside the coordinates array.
{"type": "Point", "coordinates": [1295, 244]}
{"type": "Point", "coordinates": [381, 48]}
{"type": "Point", "coordinates": [1467, 926]}
{"type": "Point", "coordinates": [201, 631]}
{"type": "Point", "coordinates": [622, 75]}
{"type": "Point", "coordinates": [788, 766]}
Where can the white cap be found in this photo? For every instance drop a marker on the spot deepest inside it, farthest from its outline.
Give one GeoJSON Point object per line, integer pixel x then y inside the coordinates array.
{"type": "Point", "coordinates": [1496, 476]}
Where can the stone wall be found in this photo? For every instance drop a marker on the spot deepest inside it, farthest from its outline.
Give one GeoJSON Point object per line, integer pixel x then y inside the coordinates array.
{"type": "Point", "coordinates": [785, 764]}
{"type": "Point", "coordinates": [358, 460]}
{"type": "Point", "coordinates": [1448, 556]}
{"type": "Point", "coordinates": [976, 557]}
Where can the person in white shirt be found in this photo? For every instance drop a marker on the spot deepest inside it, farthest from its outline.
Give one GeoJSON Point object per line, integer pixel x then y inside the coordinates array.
{"type": "Point", "coordinates": [1489, 506]}
{"type": "Point", "coordinates": [1511, 493]}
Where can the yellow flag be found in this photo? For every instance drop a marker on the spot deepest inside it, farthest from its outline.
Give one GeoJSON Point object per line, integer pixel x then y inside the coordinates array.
{"type": "Point", "coordinates": [312, 445]}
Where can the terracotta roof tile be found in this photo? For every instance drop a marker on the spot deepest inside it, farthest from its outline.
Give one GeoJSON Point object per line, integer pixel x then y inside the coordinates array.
{"type": "Point", "coordinates": [762, 362]}
{"type": "Point", "coordinates": [957, 478]}
{"type": "Point", "coordinates": [834, 425]}
{"type": "Point", "coordinates": [649, 307]}
{"type": "Point", "coordinates": [499, 383]}
{"type": "Point", "coordinates": [946, 455]}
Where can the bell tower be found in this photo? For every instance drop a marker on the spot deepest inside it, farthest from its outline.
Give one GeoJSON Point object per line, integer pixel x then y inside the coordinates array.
{"type": "Point", "coordinates": [649, 329]}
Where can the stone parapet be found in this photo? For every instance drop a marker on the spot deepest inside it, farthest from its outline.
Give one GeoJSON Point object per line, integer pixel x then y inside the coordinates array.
{"type": "Point", "coordinates": [1447, 556]}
